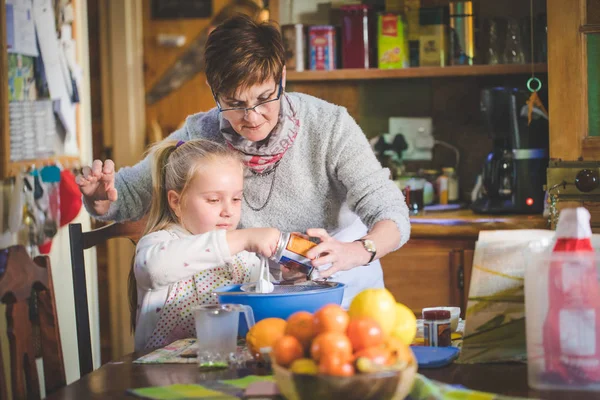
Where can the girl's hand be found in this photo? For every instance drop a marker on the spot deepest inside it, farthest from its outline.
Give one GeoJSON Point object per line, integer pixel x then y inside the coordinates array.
{"type": "Point", "coordinates": [343, 256]}
{"type": "Point", "coordinates": [262, 241]}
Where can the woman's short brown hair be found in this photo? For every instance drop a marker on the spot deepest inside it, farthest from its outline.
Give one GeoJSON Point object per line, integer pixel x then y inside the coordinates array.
{"type": "Point", "coordinates": [241, 53]}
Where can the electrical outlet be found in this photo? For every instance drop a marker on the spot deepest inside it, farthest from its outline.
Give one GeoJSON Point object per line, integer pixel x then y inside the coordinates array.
{"type": "Point", "coordinates": [418, 135]}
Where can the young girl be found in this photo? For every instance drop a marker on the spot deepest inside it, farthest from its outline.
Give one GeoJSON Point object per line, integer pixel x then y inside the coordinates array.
{"type": "Point", "coordinates": [191, 245]}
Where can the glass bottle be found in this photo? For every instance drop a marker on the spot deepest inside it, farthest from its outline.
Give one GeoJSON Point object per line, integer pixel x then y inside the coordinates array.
{"type": "Point", "coordinates": [493, 52]}
{"type": "Point", "coordinates": [453, 194]}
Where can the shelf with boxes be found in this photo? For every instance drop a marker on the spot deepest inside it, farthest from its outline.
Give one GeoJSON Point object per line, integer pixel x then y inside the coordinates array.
{"type": "Point", "coordinates": [359, 74]}
{"type": "Point", "coordinates": [416, 39]}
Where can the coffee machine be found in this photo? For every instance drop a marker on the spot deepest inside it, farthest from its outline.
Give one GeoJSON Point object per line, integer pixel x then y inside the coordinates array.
{"type": "Point", "coordinates": [514, 172]}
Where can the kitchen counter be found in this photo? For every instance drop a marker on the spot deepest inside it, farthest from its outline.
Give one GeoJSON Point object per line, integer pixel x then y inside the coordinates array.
{"type": "Point", "coordinates": [465, 224]}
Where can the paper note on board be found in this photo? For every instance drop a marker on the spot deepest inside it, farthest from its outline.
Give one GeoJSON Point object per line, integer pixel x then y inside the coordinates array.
{"type": "Point", "coordinates": [54, 64]}
{"type": "Point", "coordinates": [20, 28]}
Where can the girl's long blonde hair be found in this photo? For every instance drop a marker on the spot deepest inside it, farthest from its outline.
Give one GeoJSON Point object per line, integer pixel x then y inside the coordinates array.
{"type": "Point", "coordinates": [174, 165]}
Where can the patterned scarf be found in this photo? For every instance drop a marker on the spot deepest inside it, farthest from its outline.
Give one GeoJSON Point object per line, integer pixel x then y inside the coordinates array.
{"type": "Point", "coordinates": [263, 156]}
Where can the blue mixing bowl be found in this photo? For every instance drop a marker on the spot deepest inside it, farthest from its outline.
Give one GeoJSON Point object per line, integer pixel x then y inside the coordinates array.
{"type": "Point", "coordinates": [279, 305]}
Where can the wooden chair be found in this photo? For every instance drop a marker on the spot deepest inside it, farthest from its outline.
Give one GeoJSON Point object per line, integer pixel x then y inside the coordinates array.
{"type": "Point", "coordinates": [27, 290]}
{"type": "Point", "coordinates": [81, 241]}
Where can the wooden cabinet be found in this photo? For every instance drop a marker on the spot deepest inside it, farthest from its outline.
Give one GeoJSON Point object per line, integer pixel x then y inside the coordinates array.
{"type": "Point", "coordinates": [429, 273]}
{"type": "Point", "coordinates": [434, 267]}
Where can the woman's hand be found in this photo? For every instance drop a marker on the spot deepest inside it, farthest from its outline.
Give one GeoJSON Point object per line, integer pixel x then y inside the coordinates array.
{"type": "Point", "coordinates": [97, 184]}
{"type": "Point", "coordinates": [342, 255]}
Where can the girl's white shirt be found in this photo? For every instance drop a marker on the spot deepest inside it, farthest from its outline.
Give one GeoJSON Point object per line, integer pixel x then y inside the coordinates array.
{"type": "Point", "coordinates": [168, 256]}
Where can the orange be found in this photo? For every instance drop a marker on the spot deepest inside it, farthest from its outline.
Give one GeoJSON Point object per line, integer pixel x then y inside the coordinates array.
{"type": "Point", "coordinates": [364, 332]}
{"type": "Point", "coordinates": [335, 365]}
{"type": "Point", "coordinates": [400, 351]}
{"type": "Point", "coordinates": [300, 325]}
{"type": "Point", "coordinates": [331, 318]}
{"type": "Point", "coordinates": [329, 344]}
{"type": "Point", "coordinates": [287, 350]}
{"type": "Point", "coordinates": [264, 334]}
{"type": "Point", "coordinates": [378, 304]}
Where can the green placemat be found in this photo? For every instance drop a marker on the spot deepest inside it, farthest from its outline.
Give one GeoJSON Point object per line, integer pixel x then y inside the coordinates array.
{"type": "Point", "coordinates": [242, 383]}
{"type": "Point", "coordinates": [427, 389]}
{"type": "Point", "coordinates": [173, 392]}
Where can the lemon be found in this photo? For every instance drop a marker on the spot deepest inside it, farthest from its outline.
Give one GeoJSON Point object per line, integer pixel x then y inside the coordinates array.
{"type": "Point", "coordinates": [305, 366]}
{"type": "Point", "coordinates": [406, 324]}
{"type": "Point", "coordinates": [378, 304]}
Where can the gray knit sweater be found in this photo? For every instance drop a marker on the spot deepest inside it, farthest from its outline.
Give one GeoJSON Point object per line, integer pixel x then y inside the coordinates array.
{"type": "Point", "coordinates": [329, 168]}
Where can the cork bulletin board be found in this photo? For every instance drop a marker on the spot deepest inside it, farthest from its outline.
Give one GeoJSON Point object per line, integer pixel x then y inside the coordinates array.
{"type": "Point", "coordinates": [39, 82]}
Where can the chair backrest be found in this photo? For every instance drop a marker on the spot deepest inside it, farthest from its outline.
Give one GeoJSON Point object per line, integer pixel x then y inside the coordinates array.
{"type": "Point", "coordinates": [81, 241]}
{"type": "Point", "coordinates": [32, 323]}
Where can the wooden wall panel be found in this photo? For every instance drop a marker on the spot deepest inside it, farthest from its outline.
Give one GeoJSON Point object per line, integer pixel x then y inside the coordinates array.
{"type": "Point", "coordinates": [194, 96]}
{"type": "Point", "coordinates": [345, 94]}
{"type": "Point", "coordinates": [452, 103]}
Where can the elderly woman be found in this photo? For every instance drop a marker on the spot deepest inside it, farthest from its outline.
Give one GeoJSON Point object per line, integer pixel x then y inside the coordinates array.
{"type": "Point", "coordinates": [309, 165]}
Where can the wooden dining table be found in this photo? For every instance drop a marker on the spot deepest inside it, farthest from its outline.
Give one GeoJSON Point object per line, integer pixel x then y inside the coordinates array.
{"type": "Point", "coordinates": [112, 380]}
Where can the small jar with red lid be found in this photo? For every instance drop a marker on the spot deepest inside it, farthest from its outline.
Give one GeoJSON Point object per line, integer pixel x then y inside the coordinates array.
{"type": "Point", "coordinates": [436, 328]}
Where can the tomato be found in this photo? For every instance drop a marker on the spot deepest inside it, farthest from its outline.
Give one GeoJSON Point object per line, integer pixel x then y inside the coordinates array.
{"type": "Point", "coordinates": [364, 332]}
{"type": "Point", "coordinates": [301, 326]}
{"type": "Point", "coordinates": [378, 304]}
{"type": "Point", "coordinates": [331, 318]}
{"type": "Point", "coordinates": [330, 344]}
{"type": "Point", "coordinates": [335, 365]}
{"type": "Point", "coordinates": [379, 355]}
{"type": "Point", "coordinates": [287, 350]}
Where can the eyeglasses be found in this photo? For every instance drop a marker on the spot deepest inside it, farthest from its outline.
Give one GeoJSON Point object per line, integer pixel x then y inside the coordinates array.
{"type": "Point", "coordinates": [260, 108]}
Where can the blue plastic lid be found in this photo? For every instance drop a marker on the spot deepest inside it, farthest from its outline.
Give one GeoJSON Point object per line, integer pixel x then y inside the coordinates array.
{"type": "Point", "coordinates": [434, 357]}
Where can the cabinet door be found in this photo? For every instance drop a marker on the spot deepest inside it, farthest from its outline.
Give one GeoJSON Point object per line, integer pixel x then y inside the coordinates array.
{"type": "Point", "coordinates": [573, 75]}
{"type": "Point", "coordinates": [425, 273]}
{"type": "Point", "coordinates": [574, 104]}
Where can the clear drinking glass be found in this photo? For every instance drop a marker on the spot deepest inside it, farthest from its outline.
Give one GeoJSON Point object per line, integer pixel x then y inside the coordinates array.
{"type": "Point", "coordinates": [514, 52]}
{"type": "Point", "coordinates": [413, 193]}
{"type": "Point", "coordinates": [216, 331]}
